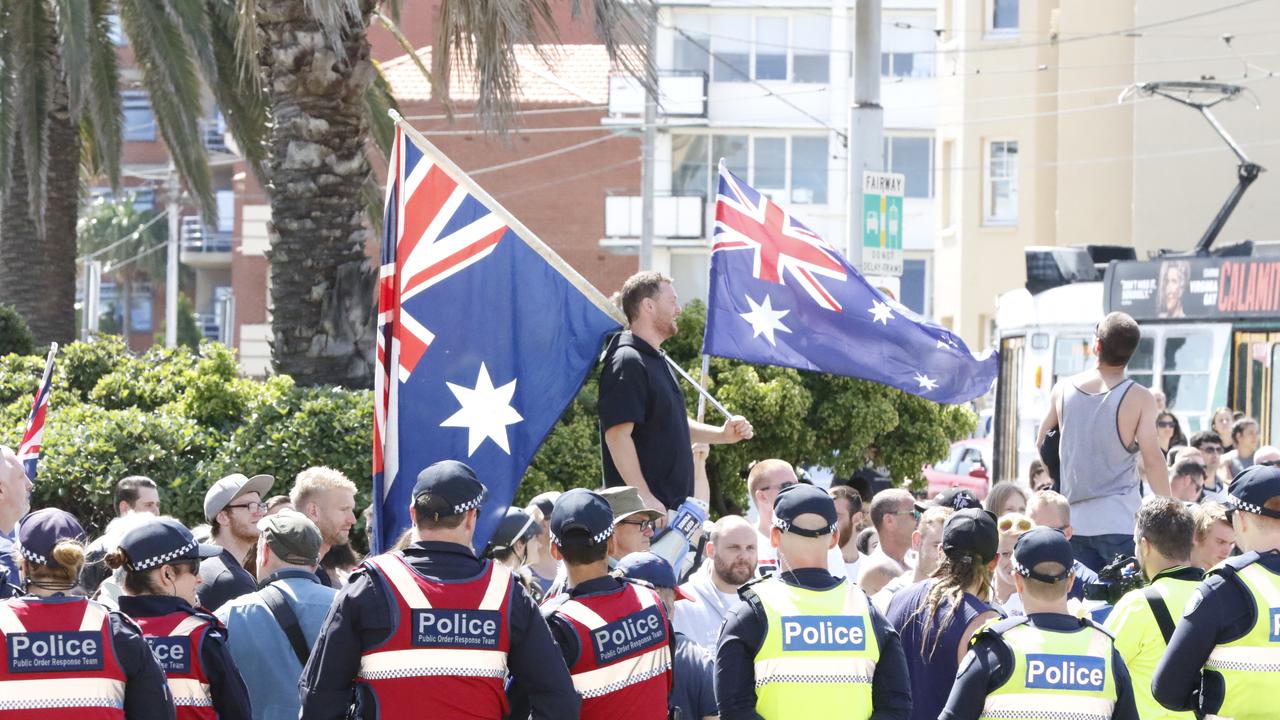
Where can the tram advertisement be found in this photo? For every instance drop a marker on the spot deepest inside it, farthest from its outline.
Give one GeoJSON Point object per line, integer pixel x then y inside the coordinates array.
{"type": "Point", "coordinates": [1194, 287]}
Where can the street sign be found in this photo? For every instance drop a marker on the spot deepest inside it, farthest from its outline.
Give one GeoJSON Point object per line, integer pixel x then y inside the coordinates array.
{"type": "Point", "coordinates": [882, 223]}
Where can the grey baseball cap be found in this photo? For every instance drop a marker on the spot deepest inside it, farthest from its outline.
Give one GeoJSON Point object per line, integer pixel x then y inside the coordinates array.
{"type": "Point", "coordinates": [231, 487]}
{"type": "Point", "coordinates": [292, 537]}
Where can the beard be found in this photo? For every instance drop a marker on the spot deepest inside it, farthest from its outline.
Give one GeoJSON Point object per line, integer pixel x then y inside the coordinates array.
{"type": "Point", "coordinates": [846, 534]}
{"type": "Point", "coordinates": [734, 574]}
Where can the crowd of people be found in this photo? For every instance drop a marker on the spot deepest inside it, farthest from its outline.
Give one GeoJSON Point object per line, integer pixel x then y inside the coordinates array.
{"type": "Point", "coordinates": [1135, 574]}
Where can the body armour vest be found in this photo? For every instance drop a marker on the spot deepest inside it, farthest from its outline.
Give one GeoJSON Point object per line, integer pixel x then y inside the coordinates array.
{"type": "Point", "coordinates": [175, 640]}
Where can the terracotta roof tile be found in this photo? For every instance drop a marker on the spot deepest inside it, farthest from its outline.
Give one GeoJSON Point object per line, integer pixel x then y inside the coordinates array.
{"type": "Point", "coordinates": [570, 74]}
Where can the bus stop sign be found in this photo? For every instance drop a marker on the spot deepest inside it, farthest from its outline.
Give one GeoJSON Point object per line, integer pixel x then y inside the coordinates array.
{"type": "Point", "coordinates": [882, 223]}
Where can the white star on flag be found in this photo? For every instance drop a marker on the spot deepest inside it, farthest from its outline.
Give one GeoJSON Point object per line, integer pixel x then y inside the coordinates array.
{"type": "Point", "coordinates": [882, 312]}
{"type": "Point", "coordinates": [926, 383]}
{"type": "Point", "coordinates": [764, 319]}
{"type": "Point", "coordinates": [943, 345]}
{"type": "Point", "coordinates": [486, 411]}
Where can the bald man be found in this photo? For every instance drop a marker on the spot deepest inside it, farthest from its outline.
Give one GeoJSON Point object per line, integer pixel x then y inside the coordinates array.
{"type": "Point", "coordinates": [731, 562]}
{"type": "Point", "coordinates": [15, 501]}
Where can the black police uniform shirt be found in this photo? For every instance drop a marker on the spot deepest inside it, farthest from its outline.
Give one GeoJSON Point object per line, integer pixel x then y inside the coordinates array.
{"type": "Point", "coordinates": [146, 690]}
{"type": "Point", "coordinates": [989, 665]}
{"type": "Point", "coordinates": [743, 634]}
{"type": "Point", "coordinates": [230, 695]}
{"type": "Point", "coordinates": [364, 615]}
{"type": "Point", "coordinates": [636, 386]}
{"type": "Point", "coordinates": [1222, 610]}
{"type": "Point", "coordinates": [223, 579]}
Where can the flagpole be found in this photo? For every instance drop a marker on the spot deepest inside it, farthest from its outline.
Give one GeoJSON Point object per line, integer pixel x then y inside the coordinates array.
{"type": "Point", "coordinates": [702, 401]}
{"type": "Point", "coordinates": [533, 241]}
{"type": "Point", "coordinates": [701, 390]}
{"type": "Point", "coordinates": [48, 366]}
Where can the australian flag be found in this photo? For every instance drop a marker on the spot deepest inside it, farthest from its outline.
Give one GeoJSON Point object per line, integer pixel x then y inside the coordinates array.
{"type": "Point", "coordinates": [484, 337]}
{"type": "Point", "coordinates": [781, 295]}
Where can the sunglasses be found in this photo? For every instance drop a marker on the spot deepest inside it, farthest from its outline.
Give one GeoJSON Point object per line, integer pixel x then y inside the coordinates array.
{"type": "Point", "coordinates": [1269, 463]}
{"type": "Point", "coordinates": [1020, 524]}
{"type": "Point", "coordinates": [1166, 424]}
{"type": "Point", "coordinates": [1211, 449]}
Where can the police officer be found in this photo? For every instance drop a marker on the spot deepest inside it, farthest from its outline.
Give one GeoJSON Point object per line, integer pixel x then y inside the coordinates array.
{"type": "Point", "coordinates": [1048, 663]}
{"type": "Point", "coordinates": [161, 562]}
{"type": "Point", "coordinates": [433, 629]}
{"type": "Point", "coordinates": [1223, 659]}
{"type": "Point", "coordinates": [615, 635]}
{"type": "Point", "coordinates": [510, 546]}
{"type": "Point", "coordinates": [58, 646]}
{"type": "Point", "coordinates": [806, 644]}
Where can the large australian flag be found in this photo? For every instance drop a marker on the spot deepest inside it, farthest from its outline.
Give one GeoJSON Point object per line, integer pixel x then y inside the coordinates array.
{"type": "Point", "coordinates": [484, 337]}
{"type": "Point", "coordinates": [781, 295]}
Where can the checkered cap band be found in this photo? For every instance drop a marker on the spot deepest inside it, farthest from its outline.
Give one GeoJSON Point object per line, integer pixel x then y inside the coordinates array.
{"type": "Point", "coordinates": [1244, 505]}
{"type": "Point", "coordinates": [158, 560]}
{"type": "Point", "coordinates": [33, 556]}
{"type": "Point", "coordinates": [595, 539]}
{"type": "Point", "coordinates": [785, 526]}
{"type": "Point", "coordinates": [468, 506]}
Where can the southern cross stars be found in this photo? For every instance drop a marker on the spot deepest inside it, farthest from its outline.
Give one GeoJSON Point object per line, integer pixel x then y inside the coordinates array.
{"type": "Point", "coordinates": [926, 383]}
{"type": "Point", "coordinates": [882, 312]}
{"type": "Point", "coordinates": [764, 319]}
{"type": "Point", "coordinates": [486, 411]}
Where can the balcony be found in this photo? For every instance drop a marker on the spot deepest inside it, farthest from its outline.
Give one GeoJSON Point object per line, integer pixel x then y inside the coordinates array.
{"type": "Point", "coordinates": [677, 220]}
{"type": "Point", "coordinates": [681, 94]}
{"type": "Point", "coordinates": [203, 247]}
{"type": "Point", "coordinates": [213, 133]}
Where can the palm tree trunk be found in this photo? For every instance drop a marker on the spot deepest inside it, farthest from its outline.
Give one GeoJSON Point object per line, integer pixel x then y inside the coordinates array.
{"type": "Point", "coordinates": [322, 282]}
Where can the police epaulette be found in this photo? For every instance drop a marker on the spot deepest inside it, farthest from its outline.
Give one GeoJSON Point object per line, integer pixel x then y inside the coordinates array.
{"type": "Point", "coordinates": [125, 620]}
{"type": "Point", "coordinates": [550, 605]}
{"type": "Point", "coordinates": [999, 626]}
{"type": "Point", "coordinates": [1232, 565]}
{"type": "Point", "coordinates": [746, 587]}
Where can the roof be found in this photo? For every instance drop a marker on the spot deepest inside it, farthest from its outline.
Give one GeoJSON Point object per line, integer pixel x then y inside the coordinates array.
{"type": "Point", "coordinates": [570, 74]}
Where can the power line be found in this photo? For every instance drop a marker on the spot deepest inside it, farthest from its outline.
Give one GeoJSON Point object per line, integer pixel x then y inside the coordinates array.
{"type": "Point", "coordinates": [542, 156]}
{"type": "Point", "coordinates": [567, 178]}
{"type": "Point", "coordinates": [117, 265]}
{"type": "Point", "coordinates": [537, 111]}
{"type": "Point", "coordinates": [124, 239]}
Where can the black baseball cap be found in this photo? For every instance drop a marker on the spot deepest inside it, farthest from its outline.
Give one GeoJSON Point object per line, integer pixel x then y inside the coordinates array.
{"type": "Point", "coordinates": [954, 498]}
{"type": "Point", "coordinates": [1042, 545]}
{"type": "Point", "coordinates": [40, 532]}
{"type": "Point", "coordinates": [160, 541]}
{"type": "Point", "coordinates": [1252, 488]}
{"type": "Point", "coordinates": [972, 530]}
{"type": "Point", "coordinates": [515, 525]}
{"type": "Point", "coordinates": [453, 487]}
{"type": "Point", "coordinates": [581, 517]}
{"type": "Point", "coordinates": [799, 499]}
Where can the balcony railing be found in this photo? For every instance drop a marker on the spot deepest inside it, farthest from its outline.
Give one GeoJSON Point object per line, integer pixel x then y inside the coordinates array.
{"type": "Point", "coordinates": [213, 134]}
{"type": "Point", "coordinates": [197, 237]}
{"type": "Point", "coordinates": [674, 216]}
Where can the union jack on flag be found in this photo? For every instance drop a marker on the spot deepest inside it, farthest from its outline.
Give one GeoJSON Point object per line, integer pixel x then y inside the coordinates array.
{"type": "Point", "coordinates": [33, 439]}
{"type": "Point", "coordinates": [484, 338]}
{"type": "Point", "coordinates": [780, 244]}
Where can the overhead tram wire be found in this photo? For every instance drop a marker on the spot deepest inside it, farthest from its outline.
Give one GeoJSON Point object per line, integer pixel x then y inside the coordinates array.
{"type": "Point", "coordinates": [122, 240]}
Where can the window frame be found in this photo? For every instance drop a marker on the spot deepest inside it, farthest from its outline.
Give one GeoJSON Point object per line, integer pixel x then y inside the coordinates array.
{"type": "Point", "coordinates": [136, 95]}
{"type": "Point", "coordinates": [781, 195]}
{"type": "Point", "coordinates": [930, 171]}
{"type": "Point", "coordinates": [718, 71]}
{"type": "Point", "coordinates": [1001, 33]}
{"type": "Point", "coordinates": [989, 218]}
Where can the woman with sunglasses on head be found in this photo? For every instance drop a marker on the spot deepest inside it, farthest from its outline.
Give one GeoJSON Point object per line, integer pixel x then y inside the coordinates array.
{"type": "Point", "coordinates": [1011, 526]}
{"type": "Point", "coordinates": [1169, 432]}
{"type": "Point", "coordinates": [161, 561]}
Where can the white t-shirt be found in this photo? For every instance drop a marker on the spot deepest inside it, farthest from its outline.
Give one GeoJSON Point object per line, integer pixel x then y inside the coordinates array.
{"type": "Point", "coordinates": [767, 562]}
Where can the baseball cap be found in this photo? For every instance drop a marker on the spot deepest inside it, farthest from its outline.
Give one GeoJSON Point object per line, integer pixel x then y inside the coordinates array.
{"type": "Point", "coordinates": [652, 569]}
{"type": "Point", "coordinates": [954, 498]}
{"type": "Point", "coordinates": [515, 526]}
{"type": "Point", "coordinates": [799, 499]}
{"type": "Point", "coordinates": [545, 501]}
{"type": "Point", "coordinates": [1252, 488]}
{"type": "Point", "coordinates": [40, 532]}
{"type": "Point", "coordinates": [163, 540]}
{"type": "Point", "coordinates": [581, 516]}
{"type": "Point", "coordinates": [1042, 545]}
{"type": "Point", "coordinates": [231, 487]}
{"type": "Point", "coordinates": [292, 537]}
{"type": "Point", "coordinates": [625, 501]}
{"type": "Point", "coordinates": [453, 487]}
{"type": "Point", "coordinates": [972, 530]}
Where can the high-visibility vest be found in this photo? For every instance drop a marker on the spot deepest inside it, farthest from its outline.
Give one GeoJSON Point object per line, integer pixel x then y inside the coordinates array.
{"type": "Point", "coordinates": [449, 649]}
{"type": "Point", "coordinates": [1141, 642]}
{"type": "Point", "coordinates": [176, 639]}
{"type": "Point", "coordinates": [623, 670]}
{"type": "Point", "coordinates": [1054, 673]}
{"type": "Point", "coordinates": [819, 653]}
{"type": "Point", "coordinates": [58, 661]}
{"type": "Point", "coordinates": [1250, 666]}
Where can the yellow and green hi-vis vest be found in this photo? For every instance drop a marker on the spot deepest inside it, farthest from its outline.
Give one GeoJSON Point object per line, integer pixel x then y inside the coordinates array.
{"type": "Point", "coordinates": [819, 654]}
{"type": "Point", "coordinates": [1056, 675]}
{"type": "Point", "coordinates": [1250, 666]}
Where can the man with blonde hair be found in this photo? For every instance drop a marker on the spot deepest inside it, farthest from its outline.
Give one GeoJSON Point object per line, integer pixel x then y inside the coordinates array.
{"type": "Point", "coordinates": [1050, 509]}
{"type": "Point", "coordinates": [766, 479]}
{"type": "Point", "coordinates": [1214, 539]}
{"type": "Point", "coordinates": [328, 499]}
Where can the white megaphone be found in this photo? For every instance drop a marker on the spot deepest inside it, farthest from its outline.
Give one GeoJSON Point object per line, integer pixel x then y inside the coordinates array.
{"type": "Point", "coordinates": [680, 535]}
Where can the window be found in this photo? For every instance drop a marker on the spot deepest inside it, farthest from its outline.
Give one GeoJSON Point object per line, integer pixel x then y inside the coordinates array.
{"type": "Point", "coordinates": [770, 164]}
{"type": "Point", "coordinates": [946, 206]}
{"type": "Point", "coordinates": [915, 278]}
{"type": "Point", "coordinates": [1141, 367]}
{"type": "Point", "coordinates": [734, 149]}
{"type": "Point", "coordinates": [1002, 182]}
{"type": "Point", "coordinates": [809, 170]}
{"type": "Point", "coordinates": [908, 49]}
{"type": "Point", "coordinates": [771, 48]}
{"type": "Point", "coordinates": [691, 54]}
{"type": "Point", "coordinates": [139, 121]}
{"type": "Point", "coordinates": [689, 164]}
{"type": "Point", "coordinates": [115, 30]}
{"type": "Point", "coordinates": [1004, 16]}
{"type": "Point", "coordinates": [731, 49]}
{"type": "Point", "coordinates": [811, 50]}
{"type": "Point", "coordinates": [1185, 379]}
{"type": "Point", "coordinates": [913, 157]}
{"type": "Point", "coordinates": [144, 200]}
{"type": "Point", "coordinates": [1071, 354]}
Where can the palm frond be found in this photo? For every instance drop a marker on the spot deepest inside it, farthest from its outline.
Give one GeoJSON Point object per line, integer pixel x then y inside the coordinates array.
{"type": "Point", "coordinates": [404, 43]}
{"type": "Point", "coordinates": [169, 75]}
{"type": "Point", "coordinates": [243, 17]}
{"type": "Point", "coordinates": [239, 93]}
{"type": "Point", "coordinates": [105, 114]}
{"type": "Point", "coordinates": [624, 26]}
{"type": "Point", "coordinates": [336, 18]}
{"type": "Point", "coordinates": [378, 100]}
{"type": "Point", "coordinates": [75, 26]}
{"type": "Point", "coordinates": [193, 20]}
{"type": "Point", "coordinates": [32, 58]}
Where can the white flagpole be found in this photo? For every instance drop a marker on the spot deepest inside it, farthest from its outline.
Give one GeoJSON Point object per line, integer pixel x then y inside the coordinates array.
{"type": "Point", "coordinates": [701, 390]}
{"type": "Point", "coordinates": [702, 401]}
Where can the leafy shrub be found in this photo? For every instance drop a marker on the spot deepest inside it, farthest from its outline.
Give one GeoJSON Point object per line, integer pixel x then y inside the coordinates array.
{"type": "Point", "coordinates": [15, 336]}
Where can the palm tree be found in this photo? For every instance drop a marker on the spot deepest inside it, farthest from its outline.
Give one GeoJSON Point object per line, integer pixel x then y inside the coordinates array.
{"type": "Point", "coordinates": [323, 99]}
{"type": "Point", "coordinates": [126, 241]}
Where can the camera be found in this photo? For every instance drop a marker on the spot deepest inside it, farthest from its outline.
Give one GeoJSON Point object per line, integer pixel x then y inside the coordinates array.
{"type": "Point", "coordinates": [1116, 579]}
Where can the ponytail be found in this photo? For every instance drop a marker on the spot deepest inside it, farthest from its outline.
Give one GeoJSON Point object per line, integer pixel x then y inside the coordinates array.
{"type": "Point", "coordinates": [955, 575]}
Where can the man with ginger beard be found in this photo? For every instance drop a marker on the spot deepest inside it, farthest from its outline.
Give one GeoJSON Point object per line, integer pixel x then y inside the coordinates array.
{"type": "Point", "coordinates": [713, 592]}
{"type": "Point", "coordinates": [848, 517]}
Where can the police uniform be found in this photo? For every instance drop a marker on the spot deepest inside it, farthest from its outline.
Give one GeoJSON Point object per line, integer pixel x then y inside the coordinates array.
{"type": "Point", "coordinates": [806, 644]}
{"type": "Point", "coordinates": [189, 643]}
{"type": "Point", "coordinates": [614, 635]}
{"type": "Point", "coordinates": [1224, 658]}
{"type": "Point", "coordinates": [434, 629]}
{"type": "Point", "coordinates": [1044, 665]}
{"type": "Point", "coordinates": [516, 525]}
{"type": "Point", "coordinates": [63, 656]}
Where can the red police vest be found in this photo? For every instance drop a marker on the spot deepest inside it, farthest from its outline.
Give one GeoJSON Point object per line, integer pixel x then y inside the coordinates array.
{"type": "Point", "coordinates": [175, 640]}
{"type": "Point", "coordinates": [449, 650]}
{"type": "Point", "coordinates": [57, 661]}
{"type": "Point", "coordinates": [624, 660]}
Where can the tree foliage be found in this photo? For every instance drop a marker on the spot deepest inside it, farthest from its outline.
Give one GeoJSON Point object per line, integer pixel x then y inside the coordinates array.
{"type": "Point", "coordinates": [15, 336]}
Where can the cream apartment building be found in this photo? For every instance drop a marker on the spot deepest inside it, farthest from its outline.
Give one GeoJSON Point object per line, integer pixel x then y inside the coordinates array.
{"type": "Point", "coordinates": [1034, 149]}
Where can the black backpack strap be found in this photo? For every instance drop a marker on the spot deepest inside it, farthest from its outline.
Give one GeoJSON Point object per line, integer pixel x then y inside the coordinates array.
{"type": "Point", "coordinates": [279, 606]}
{"type": "Point", "coordinates": [1160, 610]}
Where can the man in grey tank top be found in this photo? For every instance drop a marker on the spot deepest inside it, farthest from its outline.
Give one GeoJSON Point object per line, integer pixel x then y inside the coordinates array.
{"type": "Point", "coordinates": [1107, 422]}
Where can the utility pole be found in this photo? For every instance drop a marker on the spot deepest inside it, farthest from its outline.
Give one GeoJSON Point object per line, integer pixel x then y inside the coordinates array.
{"type": "Point", "coordinates": [171, 267]}
{"type": "Point", "coordinates": [866, 117]}
{"type": "Point", "coordinates": [647, 152]}
{"type": "Point", "coordinates": [91, 308]}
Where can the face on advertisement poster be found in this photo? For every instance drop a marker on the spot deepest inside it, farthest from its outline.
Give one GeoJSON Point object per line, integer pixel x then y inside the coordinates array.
{"type": "Point", "coordinates": [1175, 277]}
